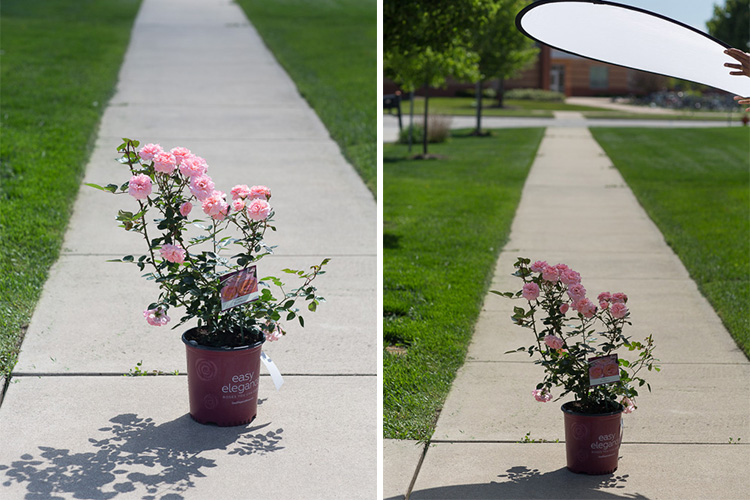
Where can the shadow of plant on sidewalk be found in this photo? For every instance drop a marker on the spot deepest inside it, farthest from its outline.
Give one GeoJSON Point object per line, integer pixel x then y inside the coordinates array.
{"type": "Point", "coordinates": [160, 461]}
{"type": "Point", "coordinates": [521, 482]}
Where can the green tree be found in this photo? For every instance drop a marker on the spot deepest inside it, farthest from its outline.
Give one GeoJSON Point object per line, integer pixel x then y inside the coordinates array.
{"type": "Point", "coordinates": [426, 41]}
{"type": "Point", "coordinates": [731, 23]}
{"type": "Point", "coordinates": [502, 50]}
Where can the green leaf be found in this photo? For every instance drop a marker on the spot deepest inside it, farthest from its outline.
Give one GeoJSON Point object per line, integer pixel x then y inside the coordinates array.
{"type": "Point", "coordinates": [109, 187]}
{"type": "Point", "coordinates": [312, 306]}
{"type": "Point", "coordinates": [301, 321]}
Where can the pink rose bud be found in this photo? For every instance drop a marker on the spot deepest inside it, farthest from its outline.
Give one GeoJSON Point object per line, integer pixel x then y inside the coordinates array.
{"type": "Point", "coordinates": [240, 191]}
{"type": "Point", "coordinates": [180, 153]}
{"type": "Point", "coordinates": [530, 291]}
{"type": "Point", "coordinates": [186, 208]}
{"type": "Point", "coordinates": [553, 342]}
{"type": "Point", "coordinates": [258, 209]}
{"type": "Point", "coordinates": [165, 162]}
{"type": "Point", "coordinates": [261, 192]}
{"type": "Point", "coordinates": [156, 317]}
{"type": "Point", "coordinates": [173, 253]}
{"type": "Point", "coordinates": [538, 266]}
{"type": "Point", "coordinates": [148, 151]}
{"type": "Point", "coordinates": [541, 395]}
{"type": "Point", "coordinates": [564, 308]}
{"type": "Point", "coordinates": [551, 274]}
{"type": "Point", "coordinates": [618, 310]}
{"type": "Point", "coordinates": [139, 186]}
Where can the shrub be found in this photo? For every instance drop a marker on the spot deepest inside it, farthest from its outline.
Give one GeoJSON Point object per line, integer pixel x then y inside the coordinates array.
{"type": "Point", "coordinates": [439, 130]}
{"type": "Point", "coordinates": [535, 95]}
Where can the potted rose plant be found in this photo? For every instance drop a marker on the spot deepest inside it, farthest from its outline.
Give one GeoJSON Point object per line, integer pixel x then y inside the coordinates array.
{"type": "Point", "coordinates": [234, 309]}
{"type": "Point", "coordinates": [577, 341]}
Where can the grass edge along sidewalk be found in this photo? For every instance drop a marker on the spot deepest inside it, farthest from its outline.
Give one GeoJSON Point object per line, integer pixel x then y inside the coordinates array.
{"type": "Point", "coordinates": [695, 185]}
{"type": "Point", "coordinates": [445, 222]}
{"type": "Point", "coordinates": [329, 50]}
{"type": "Point", "coordinates": [59, 69]}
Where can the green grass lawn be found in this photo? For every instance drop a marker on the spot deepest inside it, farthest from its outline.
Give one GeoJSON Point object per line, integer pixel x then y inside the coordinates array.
{"type": "Point", "coordinates": [59, 67]}
{"type": "Point", "coordinates": [465, 106]}
{"type": "Point", "coordinates": [330, 51]}
{"type": "Point", "coordinates": [445, 222]}
{"type": "Point", "coordinates": [695, 185]}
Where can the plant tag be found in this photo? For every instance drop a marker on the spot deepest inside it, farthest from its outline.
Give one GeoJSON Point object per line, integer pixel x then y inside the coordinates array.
{"type": "Point", "coordinates": [603, 370]}
{"type": "Point", "coordinates": [278, 380]}
{"type": "Point", "coordinates": [238, 287]}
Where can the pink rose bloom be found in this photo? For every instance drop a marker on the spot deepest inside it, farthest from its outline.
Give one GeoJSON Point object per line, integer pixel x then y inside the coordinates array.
{"type": "Point", "coordinates": [258, 209]}
{"type": "Point", "coordinates": [538, 266]}
{"type": "Point", "coordinates": [570, 277]}
{"type": "Point", "coordinates": [550, 273]}
{"type": "Point", "coordinates": [604, 304]}
{"type": "Point", "coordinates": [238, 205]}
{"type": "Point", "coordinates": [261, 192]}
{"type": "Point", "coordinates": [202, 187]}
{"type": "Point", "coordinates": [164, 162]}
{"type": "Point", "coordinates": [148, 151]}
{"type": "Point", "coordinates": [619, 297]}
{"type": "Point", "coordinates": [618, 310]}
{"type": "Point", "coordinates": [564, 308]}
{"type": "Point", "coordinates": [215, 205]}
{"type": "Point", "coordinates": [173, 253]}
{"type": "Point", "coordinates": [193, 166]}
{"type": "Point", "coordinates": [139, 186]}
{"type": "Point", "coordinates": [240, 191]}
{"type": "Point", "coordinates": [585, 307]}
{"type": "Point", "coordinates": [628, 404]}
{"type": "Point", "coordinates": [180, 153]}
{"type": "Point", "coordinates": [577, 292]}
{"type": "Point", "coordinates": [156, 317]}
{"type": "Point", "coordinates": [530, 291]}
{"type": "Point", "coordinates": [541, 395]}
{"type": "Point", "coordinates": [604, 296]}
{"type": "Point", "coordinates": [186, 208]}
{"type": "Point", "coordinates": [553, 342]}
{"type": "Point", "coordinates": [275, 332]}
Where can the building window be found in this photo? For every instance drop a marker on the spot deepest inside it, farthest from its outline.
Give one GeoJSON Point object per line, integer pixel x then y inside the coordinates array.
{"type": "Point", "coordinates": [598, 77]}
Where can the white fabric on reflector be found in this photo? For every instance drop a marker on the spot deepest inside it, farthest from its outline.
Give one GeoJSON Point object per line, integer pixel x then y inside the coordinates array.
{"type": "Point", "coordinates": [631, 37]}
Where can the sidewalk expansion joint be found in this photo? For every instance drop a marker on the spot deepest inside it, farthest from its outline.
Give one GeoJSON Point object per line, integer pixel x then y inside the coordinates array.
{"type": "Point", "coordinates": [624, 443]}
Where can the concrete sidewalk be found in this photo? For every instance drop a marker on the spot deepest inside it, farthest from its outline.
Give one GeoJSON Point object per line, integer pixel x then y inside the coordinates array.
{"type": "Point", "coordinates": [576, 209]}
{"type": "Point", "coordinates": [196, 74]}
{"type": "Point", "coordinates": [568, 119]}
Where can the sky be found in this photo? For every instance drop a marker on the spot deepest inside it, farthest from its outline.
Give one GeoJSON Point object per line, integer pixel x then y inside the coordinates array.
{"type": "Point", "coordinates": [694, 13]}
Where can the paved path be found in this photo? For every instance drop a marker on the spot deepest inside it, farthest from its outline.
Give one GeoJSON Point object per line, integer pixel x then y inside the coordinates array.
{"type": "Point", "coordinates": [575, 208]}
{"type": "Point", "coordinates": [197, 75]}
{"type": "Point", "coordinates": [565, 119]}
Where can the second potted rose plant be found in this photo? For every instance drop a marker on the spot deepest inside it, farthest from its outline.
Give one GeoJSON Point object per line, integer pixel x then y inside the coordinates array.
{"type": "Point", "coordinates": [577, 341]}
{"type": "Point", "coordinates": [212, 275]}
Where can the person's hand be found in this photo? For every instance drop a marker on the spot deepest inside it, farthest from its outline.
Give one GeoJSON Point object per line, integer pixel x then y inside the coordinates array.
{"type": "Point", "coordinates": [743, 101]}
{"type": "Point", "coordinates": [743, 58]}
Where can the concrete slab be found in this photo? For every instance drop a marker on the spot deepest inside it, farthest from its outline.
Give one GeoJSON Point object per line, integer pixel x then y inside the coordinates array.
{"type": "Point", "coordinates": [483, 471]}
{"type": "Point", "coordinates": [400, 460]}
{"type": "Point", "coordinates": [131, 437]}
{"type": "Point", "coordinates": [492, 401]}
{"type": "Point", "coordinates": [339, 338]}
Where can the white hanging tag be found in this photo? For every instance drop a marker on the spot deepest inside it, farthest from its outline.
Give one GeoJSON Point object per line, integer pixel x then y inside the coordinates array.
{"type": "Point", "coordinates": [278, 380]}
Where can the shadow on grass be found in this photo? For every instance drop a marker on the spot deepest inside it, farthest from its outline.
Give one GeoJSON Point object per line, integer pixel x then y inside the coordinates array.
{"type": "Point", "coordinates": [136, 454]}
{"type": "Point", "coordinates": [521, 482]}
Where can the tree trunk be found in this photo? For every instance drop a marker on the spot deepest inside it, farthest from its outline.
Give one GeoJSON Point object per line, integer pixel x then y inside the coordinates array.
{"type": "Point", "coordinates": [478, 131]}
{"type": "Point", "coordinates": [411, 118]}
{"type": "Point", "coordinates": [501, 93]}
{"type": "Point", "coordinates": [426, 103]}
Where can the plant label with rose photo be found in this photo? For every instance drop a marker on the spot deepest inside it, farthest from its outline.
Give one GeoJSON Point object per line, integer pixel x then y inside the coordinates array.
{"type": "Point", "coordinates": [239, 287]}
{"type": "Point", "coordinates": [603, 370]}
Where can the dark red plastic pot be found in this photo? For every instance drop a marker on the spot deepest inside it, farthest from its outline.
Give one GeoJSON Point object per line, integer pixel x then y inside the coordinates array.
{"type": "Point", "coordinates": [223, 383]}
{"type": "Point", "coordinates": [592, 441]}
